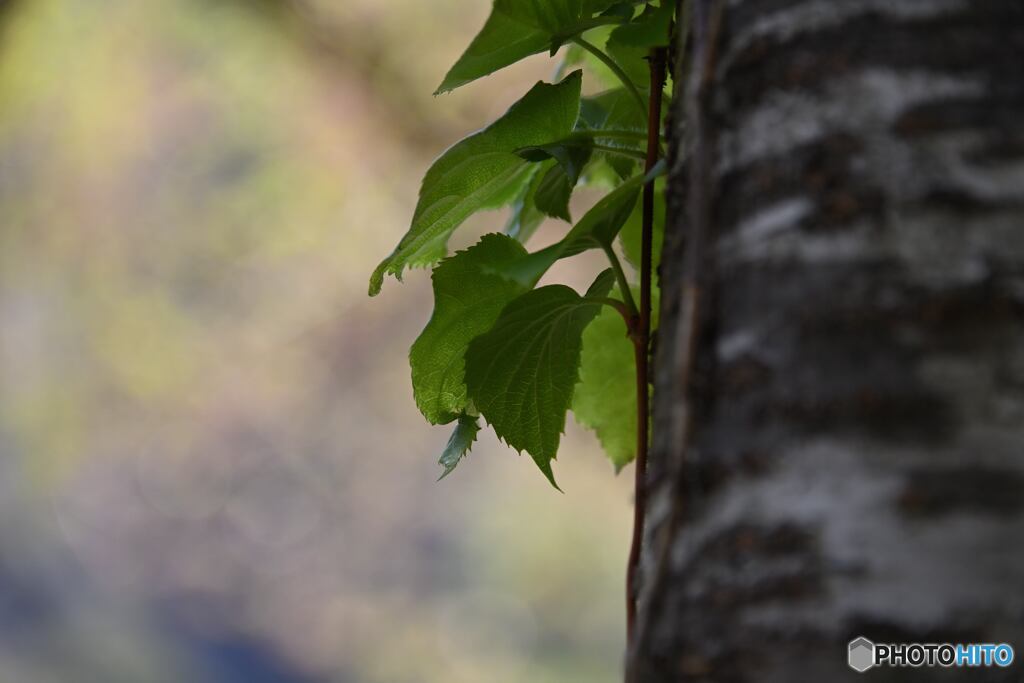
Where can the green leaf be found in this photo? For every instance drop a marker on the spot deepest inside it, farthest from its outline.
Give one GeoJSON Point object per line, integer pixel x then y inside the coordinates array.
{"type": "Point", "coordinates": [596, 229]}
{"type": "Point", "coordinates": [522, 373]}
{"type": "Point", "coordinates": [607, 171]}
{"type": "Point", "coordinates": [651, 29]}
{"type": "Point", "coordinates": [459, 444]}
{"type": "Point", "coordinates": [622, 10]}
{"type": "Point", "coordinates": [479, 171]}
{"type": "Point", "coordinates": [550, 16]}
{"type": "Point", "coordinates": [526, 217]}
{"type": "Point", "coordinates": [517, 29]}
{"type": "Point", "coordinates": [560, 19]}
{"type": "Point", "coordinates": [553, 194]}
{"type": "Point", "coordinates": [602, 285]}
{"type": "Point", "coordinates": [501, 42]}
{"type": "Point", "coordinates": [556, 186]}
{"type": "Point", "coordinates": [571, 153]}
{"type": "Point", "coordinates": [575, 56]}
{"type": "Point", "coordinates": [570, 31]}
{"type": "Point", "coordinates": [632, 232]}
{"type": "Point", "coordinates": [612, 109]}
{"type": "Point", "coordinates": [467, 300]}
{"type": "Point", "coordinates": [605, 398]}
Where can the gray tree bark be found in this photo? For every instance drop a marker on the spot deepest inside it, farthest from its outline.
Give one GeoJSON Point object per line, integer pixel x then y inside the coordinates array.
{"type": "Point", "coordinates": [839, 385]}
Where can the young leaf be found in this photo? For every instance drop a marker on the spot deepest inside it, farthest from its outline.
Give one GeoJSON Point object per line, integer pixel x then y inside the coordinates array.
{"type": "Point", "coordinates": [459, 444]}
{"type": "Point", "coordinates": [605, 398]}
{"type": "Point", "coordinates": [596, 229]}
{"type": "Point", "coordinates": [467, 301]}
{"type": "Point", "coordinates": [480, 169]}
{"type": "Point", "coordinates": [521, 374]}
{"type": "Point", "coordinates": [517, 29]}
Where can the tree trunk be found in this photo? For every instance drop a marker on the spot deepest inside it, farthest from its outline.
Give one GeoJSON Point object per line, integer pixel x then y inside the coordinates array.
{"type": "Point", "coordinates": [839, 387]}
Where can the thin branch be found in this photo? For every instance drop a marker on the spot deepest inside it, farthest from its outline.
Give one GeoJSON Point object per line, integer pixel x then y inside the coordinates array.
{"type": "Point", "coordinates": [642, 341]}
{"type": "Point", "coordinates": [704, 28]}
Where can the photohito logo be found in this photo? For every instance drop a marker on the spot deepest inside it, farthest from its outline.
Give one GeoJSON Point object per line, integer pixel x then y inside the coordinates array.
{"type": "Point", "coordinates": [863, 654]}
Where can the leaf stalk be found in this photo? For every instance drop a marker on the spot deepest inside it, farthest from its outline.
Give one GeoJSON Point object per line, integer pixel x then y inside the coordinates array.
{"type": "Point", "coordinates": [623, 282]}
{"type": "Point", "coordinates": [615, 69]}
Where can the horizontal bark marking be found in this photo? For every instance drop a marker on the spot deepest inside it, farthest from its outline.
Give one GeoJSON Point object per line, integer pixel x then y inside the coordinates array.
{"type": "Point", "coordinates": [828, 173]}
{"type": "Point", "coordinates": [787, 337]}
{"type": "Point", "coordinates": [784, 19]}
{"type": "Point", "coordinates": [989, 40]}
{"type": "Point", "coordinates": [875, 555]}
{"type": "Point", "coordinates": [866, 102]}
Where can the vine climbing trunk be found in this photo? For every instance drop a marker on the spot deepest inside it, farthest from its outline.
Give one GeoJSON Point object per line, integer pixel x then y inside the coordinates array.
{"type": "Point", "coordinates": [642, 338]}
{"type": "Point", "coordinates": [838, 443]}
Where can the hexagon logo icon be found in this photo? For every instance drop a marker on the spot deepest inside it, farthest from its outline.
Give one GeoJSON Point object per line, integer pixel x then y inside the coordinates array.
{"type": "Point", "coordinates": [861, 654]}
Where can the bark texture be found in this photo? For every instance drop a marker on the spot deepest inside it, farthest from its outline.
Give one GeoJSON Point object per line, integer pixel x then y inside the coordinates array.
{"type": "Point", "coordinates": [845, 456]}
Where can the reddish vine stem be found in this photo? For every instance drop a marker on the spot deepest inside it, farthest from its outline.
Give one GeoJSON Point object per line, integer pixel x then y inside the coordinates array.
{"type": "Point", "coordinates": [642, 339]}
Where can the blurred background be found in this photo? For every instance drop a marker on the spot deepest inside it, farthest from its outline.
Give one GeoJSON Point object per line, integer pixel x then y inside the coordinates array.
{"type": "Point", "coordinates": [211, 465]}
